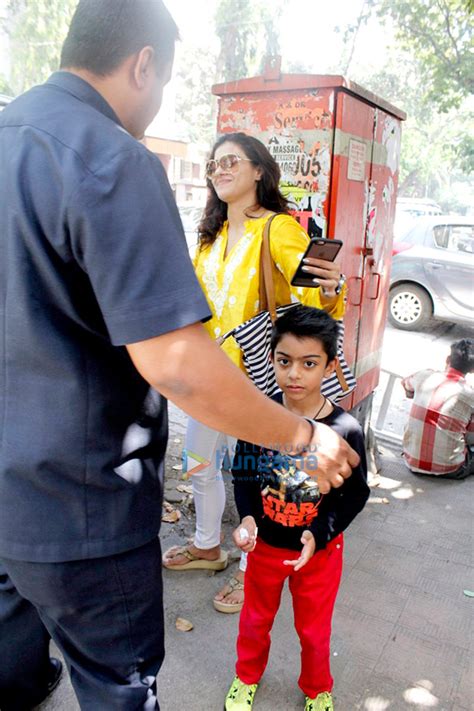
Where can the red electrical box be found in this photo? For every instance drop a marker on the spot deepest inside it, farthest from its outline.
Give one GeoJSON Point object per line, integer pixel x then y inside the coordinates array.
{"type": "Point", "coordinates": [338, 148]}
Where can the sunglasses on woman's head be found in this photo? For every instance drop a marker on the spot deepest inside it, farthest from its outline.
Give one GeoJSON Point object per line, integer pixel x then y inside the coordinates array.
{"type": "Point", "coordinates": [227, 162]}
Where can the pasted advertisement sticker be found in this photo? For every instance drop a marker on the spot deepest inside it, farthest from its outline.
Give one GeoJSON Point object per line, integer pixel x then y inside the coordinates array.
{"type": "Point", "coordinates": [304, 162]}
{"type": "Point", "coordinates": [356, 164]}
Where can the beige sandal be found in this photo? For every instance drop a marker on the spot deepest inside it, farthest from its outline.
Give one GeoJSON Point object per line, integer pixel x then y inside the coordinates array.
{"type": "Point", "coordinates": [194, 562]}
{"type": "Point", "coordinates": [230, 607]}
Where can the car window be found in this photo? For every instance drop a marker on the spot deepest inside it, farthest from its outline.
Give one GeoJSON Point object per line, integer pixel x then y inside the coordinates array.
{"type": "Point", "coordinates": [455, 238]}
{"type": "Point", "coordinates": [461, 238]}
{"type": "Point", "coordinates": [441, 235]}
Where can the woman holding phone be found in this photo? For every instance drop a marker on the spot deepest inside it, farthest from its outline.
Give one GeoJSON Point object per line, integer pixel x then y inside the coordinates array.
{"type": "Point", "coordinates": [243, 181]}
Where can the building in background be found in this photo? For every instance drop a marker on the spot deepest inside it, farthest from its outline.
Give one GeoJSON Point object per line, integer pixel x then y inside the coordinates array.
{"type": "Point", "coordinates": [184, 165]}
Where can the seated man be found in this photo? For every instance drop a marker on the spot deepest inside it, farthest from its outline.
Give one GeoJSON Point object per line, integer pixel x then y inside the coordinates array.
{"type": "Point", "coordinates": [441, 425]}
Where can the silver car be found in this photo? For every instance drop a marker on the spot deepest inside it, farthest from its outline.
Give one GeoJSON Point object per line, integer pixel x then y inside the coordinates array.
{"type": "Point", "coordinates": [433, 273]}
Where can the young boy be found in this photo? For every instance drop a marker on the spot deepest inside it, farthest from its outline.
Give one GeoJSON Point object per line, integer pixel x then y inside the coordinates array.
{"type": "Point", "coordinates": [299, 531]}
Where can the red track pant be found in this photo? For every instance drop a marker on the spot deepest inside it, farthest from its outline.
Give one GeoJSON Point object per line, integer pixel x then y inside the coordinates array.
{"type": "Point", "coordinates": [313, 589]}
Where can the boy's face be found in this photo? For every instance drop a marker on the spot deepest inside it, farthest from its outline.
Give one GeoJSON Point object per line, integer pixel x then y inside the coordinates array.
{"type": "Point", "coordinates": [300, 365]}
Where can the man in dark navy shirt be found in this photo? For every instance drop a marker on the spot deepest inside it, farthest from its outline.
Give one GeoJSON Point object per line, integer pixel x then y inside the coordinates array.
{"type": "Point", "coordinates": [98, 300]}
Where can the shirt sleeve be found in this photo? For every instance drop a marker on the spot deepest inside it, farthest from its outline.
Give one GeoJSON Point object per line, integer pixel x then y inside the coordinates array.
{"type": "Point", "coordinates": [414, 381]}
{"type": "Point", "coordinates": [126, 234]}
{"type": "Point", "coordinates": [339, 508]}
{"type": "Point", "coordinates": [246, 480]}
{"type": "Point", "coordinates": [288, 243]}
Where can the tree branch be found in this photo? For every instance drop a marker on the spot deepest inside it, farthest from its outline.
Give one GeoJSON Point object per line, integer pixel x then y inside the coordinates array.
{"type": "Point", "coordinates": [448, 29]}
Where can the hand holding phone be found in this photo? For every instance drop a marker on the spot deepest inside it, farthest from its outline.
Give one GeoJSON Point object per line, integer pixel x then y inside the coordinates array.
{"type": "Point", "coordinates": [318, 248]}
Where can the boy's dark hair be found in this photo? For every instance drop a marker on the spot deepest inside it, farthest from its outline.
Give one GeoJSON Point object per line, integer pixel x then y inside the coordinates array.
{"type": "Point", "coordinates": [462, 355]}
{"type": "Point", "coordinates": [307, 322]}
{"type": "Point", "coordinates": [103, 33]}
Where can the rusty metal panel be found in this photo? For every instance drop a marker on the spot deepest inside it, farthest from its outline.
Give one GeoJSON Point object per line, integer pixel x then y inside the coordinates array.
{"type": "Point", "coordinates": [363, 192]}
{"type": "Point", "coordinates": [298, 129]}
{"type": "Point", "coordinates": [380, 201]}
{"type": "Point", "coordinates": [351, 174]}
{"type": "Point", "coordinates": [338, 153]}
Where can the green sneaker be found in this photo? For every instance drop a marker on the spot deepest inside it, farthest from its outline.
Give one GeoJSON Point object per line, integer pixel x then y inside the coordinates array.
{"type": "Point", "coordinates": [240, 696]}
{"type": "Point", "coordinates": [322, 702]}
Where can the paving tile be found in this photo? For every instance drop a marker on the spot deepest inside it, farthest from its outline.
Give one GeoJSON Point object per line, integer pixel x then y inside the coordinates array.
{"type": "Point", "coordinates": [438, 618]}
{"type": "Point", "coordinates": [460, 521]}
{"type": "Point", "coordinates": [411, 657]}
{"type": "Point", "coordinates": [464, 695]}
{"type": "Point", "coordinates": [368, 523]}
{"type": "Point", "coordinates": [355, 546]}
{"type": "Point", "coordinates": [384, 693]}
{"type": "Point", "coordinates": [391, 561]}
{"type": "Point", "coordinates": [444, 578]}
{"type": "Point", "coordinates": [355, 687]}
{"type": "Point", "coordinates": [359, 636]}
{"type": "Point", "coordinates": [373, 594]}
{"type": "Point", "coordinates": [455, 548]}
{"type": "Point", "coordinates": [399, 530]}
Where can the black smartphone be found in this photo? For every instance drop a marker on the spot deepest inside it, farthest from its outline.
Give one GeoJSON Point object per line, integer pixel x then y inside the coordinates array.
{"type": "Point", "coordinates": [319, 248]}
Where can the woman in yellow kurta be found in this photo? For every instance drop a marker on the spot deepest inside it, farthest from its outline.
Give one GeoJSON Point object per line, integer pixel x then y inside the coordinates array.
{"type": "Point", "coordinates": [243, 194]}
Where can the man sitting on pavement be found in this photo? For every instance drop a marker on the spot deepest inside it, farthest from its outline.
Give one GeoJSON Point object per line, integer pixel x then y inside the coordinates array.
{"type": "Point", "coordinates": [440, 431]}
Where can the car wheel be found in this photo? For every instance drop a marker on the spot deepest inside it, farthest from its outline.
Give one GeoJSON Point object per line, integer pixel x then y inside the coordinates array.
{"type": "Point", "coordinates": [410, 307]}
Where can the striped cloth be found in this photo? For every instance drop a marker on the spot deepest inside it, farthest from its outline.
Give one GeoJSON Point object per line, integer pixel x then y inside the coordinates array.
{"type": "Point", "coordinates": [440, 419]}
{"type": "Point", "coordinates": [254, 336]}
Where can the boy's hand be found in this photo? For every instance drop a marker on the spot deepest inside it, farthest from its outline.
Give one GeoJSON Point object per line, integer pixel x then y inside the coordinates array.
{"type": "Point", "coordinates": [245, 535]}
{"type": "Point", "coordinates": [309, 546]}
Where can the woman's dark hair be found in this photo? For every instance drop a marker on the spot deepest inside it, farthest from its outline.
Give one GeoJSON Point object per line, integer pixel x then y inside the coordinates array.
{"type": "Point", "coordinates": [103, 33]}
{"type": "Point", "coordinates": [268, 192]}
{"type": "Point", "coordinates": [462, 355]}
{"type": "Point", "coordinates": [307, 322]}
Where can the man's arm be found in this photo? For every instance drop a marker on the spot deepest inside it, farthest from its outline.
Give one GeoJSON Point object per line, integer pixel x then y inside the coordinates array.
{"type": "Point", "coordinates": [408, 387]}
{"type": "Point", "coordinates": [188, 368]}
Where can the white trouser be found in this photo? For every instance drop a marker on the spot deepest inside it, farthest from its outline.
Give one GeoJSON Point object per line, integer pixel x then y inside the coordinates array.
{"type": "Point", "coordinates": [208, 484]}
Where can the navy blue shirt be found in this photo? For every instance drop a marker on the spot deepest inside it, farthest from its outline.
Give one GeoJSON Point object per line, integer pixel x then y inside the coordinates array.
{"type": "Point", "coordinates": [92, 257]}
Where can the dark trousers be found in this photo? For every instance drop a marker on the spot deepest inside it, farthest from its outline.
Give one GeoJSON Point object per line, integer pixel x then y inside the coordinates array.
{"type": "Point", "coordinates": [466, 469]}
{"type": "Point", "coordinates": [24, 650]}
{"type": "Point", "coordinates": [106, 617]}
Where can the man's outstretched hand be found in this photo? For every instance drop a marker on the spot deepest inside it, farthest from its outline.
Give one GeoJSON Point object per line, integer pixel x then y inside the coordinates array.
{"type": "Point", "coordinates": [328, 458]}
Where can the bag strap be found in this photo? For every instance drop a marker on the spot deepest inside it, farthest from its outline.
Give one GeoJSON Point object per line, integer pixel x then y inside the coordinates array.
{"type": "Point", "coordinates": [266, 286]}
{"type": "Point", "coordinates": [341, 377]}
{"type": "Point", "coordinates": [267, 290]}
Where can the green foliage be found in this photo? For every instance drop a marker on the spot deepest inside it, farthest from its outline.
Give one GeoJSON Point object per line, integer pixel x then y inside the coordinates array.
{"type": "Point", "coordinates": [195, 105]}
{"type": "Point", "coordinates": [37, 29]}
{"type": "Point", "coordinates": [248, 33]}
{"type": "Point", "coordinates": [426, 74]}
{"type": "Point", "coordinates": [439, 34]}
{"type": "Point", "coordinates": [464, 150]}
{"type": "Point", "coordinates": [5, 87]}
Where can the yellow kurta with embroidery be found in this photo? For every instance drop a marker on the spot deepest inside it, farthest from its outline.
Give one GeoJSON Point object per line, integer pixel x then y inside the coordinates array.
{"type": "Point", "coordinates": [231, 285]}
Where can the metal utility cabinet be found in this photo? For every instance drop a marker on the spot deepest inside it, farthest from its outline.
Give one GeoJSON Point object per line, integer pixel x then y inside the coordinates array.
{"type": "Point", "coordinates": [338, 148]}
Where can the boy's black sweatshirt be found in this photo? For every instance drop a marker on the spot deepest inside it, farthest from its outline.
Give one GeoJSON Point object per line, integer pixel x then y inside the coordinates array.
{"type": "Point", "coordinates": [285, 502]}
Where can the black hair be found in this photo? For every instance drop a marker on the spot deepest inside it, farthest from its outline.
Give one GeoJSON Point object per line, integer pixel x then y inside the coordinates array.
{"type": "Point", "coordinates": [462, 355]}
{"type": "Point", "coordinates": [307, 322]}
{"type": "Point", "coordinates": [103, 33]}
{"type": "Point", "coordinates": [268, 191]}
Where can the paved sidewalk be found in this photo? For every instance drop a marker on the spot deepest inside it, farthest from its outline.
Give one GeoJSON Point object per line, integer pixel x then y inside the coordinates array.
{"type": "Point", "coordinates": [401, 626]}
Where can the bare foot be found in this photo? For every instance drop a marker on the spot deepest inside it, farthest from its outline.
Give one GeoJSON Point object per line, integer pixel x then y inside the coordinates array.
{"type": "Point", "coordinates": [231, 597]}
{"type": "Point", "coordinates": [174, 557]}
